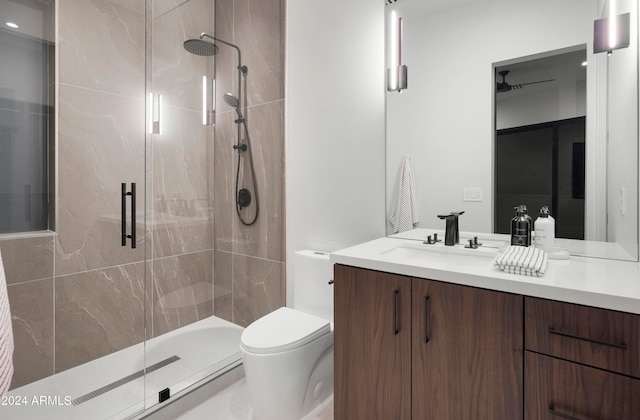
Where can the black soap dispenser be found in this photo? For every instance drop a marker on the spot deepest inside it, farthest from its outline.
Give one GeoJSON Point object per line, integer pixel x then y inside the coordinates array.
{"type": "Point", "coordinates": [521, 227]}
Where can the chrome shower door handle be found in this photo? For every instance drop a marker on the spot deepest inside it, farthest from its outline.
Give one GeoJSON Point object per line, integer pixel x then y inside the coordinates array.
{"type": "Point", "coordinates": [123, 214]}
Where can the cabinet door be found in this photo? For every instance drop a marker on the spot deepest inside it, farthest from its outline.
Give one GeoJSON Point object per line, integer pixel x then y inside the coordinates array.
{"type": "Point", "coordinates": [467, 352]}
{"type": "Point", "coordinates": [559, 389]}
{"type": "Point", "coordinates": [372, 345]}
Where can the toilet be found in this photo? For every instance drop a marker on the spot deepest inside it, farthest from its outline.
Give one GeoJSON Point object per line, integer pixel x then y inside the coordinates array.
{"type": "Point", "coordinates": [288, 353]}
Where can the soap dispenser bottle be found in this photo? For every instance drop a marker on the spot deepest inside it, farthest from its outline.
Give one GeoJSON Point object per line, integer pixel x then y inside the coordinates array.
{"type": "Point", "coordinates": [521, 227]}
{"type": "Point", "coordinates": [545, 227]}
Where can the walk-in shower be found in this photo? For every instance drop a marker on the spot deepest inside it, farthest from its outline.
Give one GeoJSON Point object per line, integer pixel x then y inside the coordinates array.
{"type": "Point", "coordinates": [103, 330]}
{"type": "Point", "coordinates": [243, 196]}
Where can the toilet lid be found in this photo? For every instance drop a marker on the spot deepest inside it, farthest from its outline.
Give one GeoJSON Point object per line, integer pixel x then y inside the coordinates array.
{"type": "Point", "coordinates": [283, 329]}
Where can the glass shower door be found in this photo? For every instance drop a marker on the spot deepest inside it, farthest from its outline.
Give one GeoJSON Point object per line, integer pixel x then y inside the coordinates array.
{"type": "Point", "coordinates": [179, 188]}
{"type": "Point", "coordinates": [79, 321]}
{"type": "Point", "coordinates": [101, 239]}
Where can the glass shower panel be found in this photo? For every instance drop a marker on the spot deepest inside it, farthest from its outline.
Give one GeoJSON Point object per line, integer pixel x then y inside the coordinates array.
{"type": "Point", "coordinates": [179, 197]}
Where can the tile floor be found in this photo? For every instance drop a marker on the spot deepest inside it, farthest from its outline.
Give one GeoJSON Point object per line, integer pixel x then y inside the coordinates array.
{"type": "Point", "coordinates": [232, 403]}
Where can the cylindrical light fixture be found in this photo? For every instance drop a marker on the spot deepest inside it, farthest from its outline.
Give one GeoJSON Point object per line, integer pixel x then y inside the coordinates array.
{"type": "Point", "coordinates": [208, 115]}
{"type": "Point", "coordinates": [396, 72]}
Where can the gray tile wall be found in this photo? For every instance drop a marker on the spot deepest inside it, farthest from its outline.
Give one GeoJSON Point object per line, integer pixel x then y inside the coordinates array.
{"type": "Point", "coordinates": [249, 269]}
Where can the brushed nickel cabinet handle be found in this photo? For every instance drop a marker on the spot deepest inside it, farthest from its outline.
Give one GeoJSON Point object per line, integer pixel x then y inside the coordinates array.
{"type": "Point", "coordinates": [621, 346]}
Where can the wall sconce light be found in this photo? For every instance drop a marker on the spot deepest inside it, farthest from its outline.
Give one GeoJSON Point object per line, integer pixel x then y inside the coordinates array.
{"type": "Point", "coordinates": [208, 115]}
{"type": "Point", "coordinates": [396, 72]}
{"type": "Point", "coordinates": [611, 33]}
{"type": "Point", "coordinates": [155, 114]}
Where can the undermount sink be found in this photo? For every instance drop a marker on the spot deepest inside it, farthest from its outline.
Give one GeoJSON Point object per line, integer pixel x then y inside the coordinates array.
{"type": "Point", "coordinates": [439, 251]}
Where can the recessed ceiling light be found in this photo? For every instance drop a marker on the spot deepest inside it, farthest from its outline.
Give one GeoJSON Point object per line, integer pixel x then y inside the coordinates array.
{"type": "Point", "coordinates": [12, 25]}
{"type": "Point", "coordinates": [584, 64]}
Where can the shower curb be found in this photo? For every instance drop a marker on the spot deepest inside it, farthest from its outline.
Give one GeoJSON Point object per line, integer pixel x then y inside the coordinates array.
{"type": "Point", "coordinates": [193, 396]}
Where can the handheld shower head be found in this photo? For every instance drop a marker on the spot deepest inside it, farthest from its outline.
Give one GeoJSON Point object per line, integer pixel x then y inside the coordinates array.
{"type": "Point", "coordinates": [231, 100]}
{"type": "Point", "coordinates": [200, 47]}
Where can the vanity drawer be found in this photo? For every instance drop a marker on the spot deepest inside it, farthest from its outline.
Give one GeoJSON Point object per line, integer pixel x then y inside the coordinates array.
{"type": "Point", "coordinates": [557, 389]}
{"type": "Point", "coordinates": [597, 337]}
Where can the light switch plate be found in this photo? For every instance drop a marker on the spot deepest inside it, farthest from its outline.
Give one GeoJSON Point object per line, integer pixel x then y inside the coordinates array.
{"type": "Point", "coordinates": [472, 194]}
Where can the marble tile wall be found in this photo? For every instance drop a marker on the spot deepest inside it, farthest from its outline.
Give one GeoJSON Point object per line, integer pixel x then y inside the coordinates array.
{"type": "Point", "coordinates": [249, 260]}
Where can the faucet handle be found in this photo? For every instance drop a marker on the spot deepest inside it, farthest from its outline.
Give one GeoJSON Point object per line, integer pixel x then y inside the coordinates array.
{"type": "Point", "coordinates": [453, 214]}
{"type": "Point", "coordinates": [432, 240]}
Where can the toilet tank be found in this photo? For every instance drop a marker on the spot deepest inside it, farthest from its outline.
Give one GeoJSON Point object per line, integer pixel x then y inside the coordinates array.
{"type": "Point", "coordinates": [312, 292]}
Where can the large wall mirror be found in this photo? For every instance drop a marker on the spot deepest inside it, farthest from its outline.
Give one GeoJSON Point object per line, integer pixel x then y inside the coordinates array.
{"type": "Point", "coordinates": [565, 135]}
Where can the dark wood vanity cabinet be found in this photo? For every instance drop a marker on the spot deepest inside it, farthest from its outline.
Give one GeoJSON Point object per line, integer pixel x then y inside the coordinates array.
{"type": "Point", "coordinates": [580, 362]}
{"type": "Point", "coordinates": [467, 350]}
{"type": "Point", "coordinates": [408, 348]}
{"type": "Point", "coordinates": [372, 345]}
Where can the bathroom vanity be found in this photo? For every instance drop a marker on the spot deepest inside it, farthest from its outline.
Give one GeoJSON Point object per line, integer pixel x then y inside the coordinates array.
{"type": "Point", "coordinates": [440, 333]}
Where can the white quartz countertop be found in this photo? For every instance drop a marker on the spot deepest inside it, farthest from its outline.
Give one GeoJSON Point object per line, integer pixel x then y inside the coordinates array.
{"type": "Point", "coordinates": [594, 282]}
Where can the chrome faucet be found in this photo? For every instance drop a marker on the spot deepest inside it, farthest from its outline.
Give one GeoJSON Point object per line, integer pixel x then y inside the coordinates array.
{"type": "Point", "coordinates": [451, 234]}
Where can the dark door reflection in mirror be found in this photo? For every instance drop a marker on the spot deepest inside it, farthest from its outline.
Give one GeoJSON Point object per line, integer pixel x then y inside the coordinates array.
{"type": "Point", "coordinates": [542, 165]}
{"type": "Point", "coordinates": [539, 153]}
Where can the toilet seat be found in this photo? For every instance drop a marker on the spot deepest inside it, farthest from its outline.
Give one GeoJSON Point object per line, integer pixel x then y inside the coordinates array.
{"type": "Point", "coordinates": [282, 330]}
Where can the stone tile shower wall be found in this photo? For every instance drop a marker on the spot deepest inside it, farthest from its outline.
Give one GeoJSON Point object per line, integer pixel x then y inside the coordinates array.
{"type": "Point", "coordinates": [249, 260]}
{"type": "Point", "coordinates": [80, 295]}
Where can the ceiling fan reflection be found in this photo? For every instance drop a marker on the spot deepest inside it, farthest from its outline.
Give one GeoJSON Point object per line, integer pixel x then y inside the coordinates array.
{"type": "Point", "coordinates": [506, 87]}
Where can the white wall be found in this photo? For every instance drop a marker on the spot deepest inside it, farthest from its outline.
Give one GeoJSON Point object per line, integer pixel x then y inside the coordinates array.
{"type": "Point", "coordinates": [446, 118]}
{"type": "Point", "coordinates": [335, 119]}
{"type": "Point", "coordinates": [622, 126]}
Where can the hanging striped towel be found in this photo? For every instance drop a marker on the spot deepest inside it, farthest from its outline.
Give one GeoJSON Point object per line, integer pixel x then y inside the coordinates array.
{"type": "Point", "coordinates": [6, 336]}
{"type": "Point", "coordinates": [404, 215]}
{"type": "Point", "coordinates": [529, 261]}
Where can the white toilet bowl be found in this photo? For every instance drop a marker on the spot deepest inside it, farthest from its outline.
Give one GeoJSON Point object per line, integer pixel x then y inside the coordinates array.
{"type": "Point", "coordinates": [288, 363]}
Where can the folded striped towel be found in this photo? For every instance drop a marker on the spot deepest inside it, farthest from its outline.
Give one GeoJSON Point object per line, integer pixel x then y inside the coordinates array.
{"type": "Point", "coordinates": [529, 261]}
{"type": "Point", "coordinates": [404, 215]}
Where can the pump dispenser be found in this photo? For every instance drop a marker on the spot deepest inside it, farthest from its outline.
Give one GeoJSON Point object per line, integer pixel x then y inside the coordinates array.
{"type": "Point", "coordinates": [521, 227]}
{"type": "Point", "coordinates": [545, 227]}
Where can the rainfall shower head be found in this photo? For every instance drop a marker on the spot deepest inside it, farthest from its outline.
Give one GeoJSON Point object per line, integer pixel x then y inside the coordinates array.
{"type": "Point", "coordinates": [200, 47]}
{"type": "Point", "coordinates": [231, 100]}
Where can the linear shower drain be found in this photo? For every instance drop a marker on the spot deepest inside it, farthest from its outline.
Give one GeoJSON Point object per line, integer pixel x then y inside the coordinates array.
{"type": "Point", "coordinates": [113, 385]}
